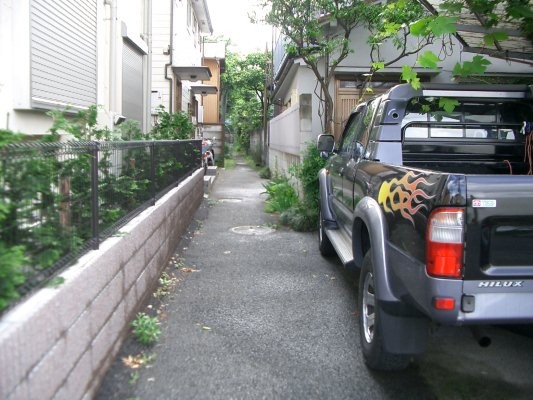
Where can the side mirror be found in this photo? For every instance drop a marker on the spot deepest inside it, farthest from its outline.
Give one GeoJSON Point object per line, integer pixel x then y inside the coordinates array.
{"type": "Point", "coordinates": [325, 144]}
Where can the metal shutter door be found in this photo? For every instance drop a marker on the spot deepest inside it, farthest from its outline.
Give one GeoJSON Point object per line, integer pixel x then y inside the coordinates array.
{"type": "Point", "coordinates": [132, 83]}
{"type": "Point", "coordinates": [63, 53]}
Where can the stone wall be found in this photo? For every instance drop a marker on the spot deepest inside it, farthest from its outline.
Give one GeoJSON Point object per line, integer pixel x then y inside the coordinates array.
{"type": "Point", "coordinates": [59, 343]}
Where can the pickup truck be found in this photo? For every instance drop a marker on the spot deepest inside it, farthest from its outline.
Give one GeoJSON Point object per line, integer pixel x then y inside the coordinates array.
{"type": "Point", "coordinates": [434, 205]}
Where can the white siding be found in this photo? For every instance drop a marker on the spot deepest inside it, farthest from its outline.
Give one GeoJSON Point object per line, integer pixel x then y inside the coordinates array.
{"type": "Point", "coordinates": [161, 11]}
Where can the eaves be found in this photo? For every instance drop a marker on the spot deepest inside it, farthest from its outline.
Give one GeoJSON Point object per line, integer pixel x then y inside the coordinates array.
{"type": "Point", "coordinates": [202, 14]}
{"type": "Point", "coordinates": [285, 74]}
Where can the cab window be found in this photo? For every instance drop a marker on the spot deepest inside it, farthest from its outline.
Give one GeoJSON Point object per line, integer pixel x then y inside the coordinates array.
{"type": "Point", "coordinates": [352, 128]}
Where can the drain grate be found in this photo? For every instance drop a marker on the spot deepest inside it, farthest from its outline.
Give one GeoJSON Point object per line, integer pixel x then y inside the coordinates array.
{"type": "Point", "coordinates": [252, 230]}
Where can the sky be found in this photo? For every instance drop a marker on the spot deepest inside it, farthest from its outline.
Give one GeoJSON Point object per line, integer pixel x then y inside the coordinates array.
{"type": "Point", "coordinates": [229, 18]}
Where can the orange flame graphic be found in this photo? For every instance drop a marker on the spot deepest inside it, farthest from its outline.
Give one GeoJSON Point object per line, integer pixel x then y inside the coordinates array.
{"type": "Point", "coordinates": [404, 196]}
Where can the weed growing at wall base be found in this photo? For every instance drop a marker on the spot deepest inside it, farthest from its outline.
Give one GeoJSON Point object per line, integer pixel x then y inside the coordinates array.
{"type": "Point", "coordinates": [281, 195]}
{"type": "Point", "coordinates": [146, 329]}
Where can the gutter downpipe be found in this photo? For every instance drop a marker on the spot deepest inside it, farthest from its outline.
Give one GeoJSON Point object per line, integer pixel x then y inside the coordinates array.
{"type": "Point", "coordinates": [170, 51]}
{"type": "Point", "coordinates": [112, 55]}
{"type": "Point", "coordinates": [148, 66]}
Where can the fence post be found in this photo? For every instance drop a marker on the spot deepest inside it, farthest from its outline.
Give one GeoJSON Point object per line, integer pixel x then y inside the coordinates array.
{"type": "Point", "coordinates": [152, 171]}
{"type": "Point", "coordinates": [94, 195]}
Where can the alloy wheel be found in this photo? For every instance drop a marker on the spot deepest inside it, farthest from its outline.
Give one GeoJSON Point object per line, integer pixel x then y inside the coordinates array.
{"type": "Point", "coordinates": [369, 309]}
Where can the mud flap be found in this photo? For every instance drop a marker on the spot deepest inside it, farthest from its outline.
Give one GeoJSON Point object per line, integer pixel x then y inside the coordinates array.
{"type": "Point", "coordinates": [404, 335]}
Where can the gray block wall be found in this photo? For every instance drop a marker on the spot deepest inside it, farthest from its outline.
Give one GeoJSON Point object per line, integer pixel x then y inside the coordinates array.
{"type": "Point", "coordinates": [59, 343]}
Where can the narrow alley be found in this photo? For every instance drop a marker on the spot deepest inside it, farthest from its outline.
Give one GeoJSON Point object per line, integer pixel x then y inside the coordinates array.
{"type": "Point", "coordinates": [258, 313]}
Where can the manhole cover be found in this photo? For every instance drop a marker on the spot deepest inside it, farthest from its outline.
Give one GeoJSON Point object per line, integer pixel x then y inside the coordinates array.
{"type": "Point", "coordinates": [253, 230]}
{"type": "Point", "coordinates": [230, 200]}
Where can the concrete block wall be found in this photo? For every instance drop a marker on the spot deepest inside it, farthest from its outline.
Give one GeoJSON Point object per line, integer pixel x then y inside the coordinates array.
{"type": "Point", "coordinates": [60, 342]}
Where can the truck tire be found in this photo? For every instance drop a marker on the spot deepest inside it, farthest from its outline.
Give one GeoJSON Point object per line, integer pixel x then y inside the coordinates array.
{"type": "Point", "coordinates": [324, 244]}
{"type": "Point", "coordinates": [370, 329]}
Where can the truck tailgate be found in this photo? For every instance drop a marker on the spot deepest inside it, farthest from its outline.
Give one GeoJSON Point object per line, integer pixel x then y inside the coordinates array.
{"type": "Point", "coordinates": [499, 227]}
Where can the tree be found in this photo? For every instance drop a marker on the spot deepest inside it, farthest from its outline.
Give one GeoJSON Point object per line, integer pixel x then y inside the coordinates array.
{"type": "Point", "coordinates": [243, 88]}
{"type": "Point", "coordinates": [318, 32]}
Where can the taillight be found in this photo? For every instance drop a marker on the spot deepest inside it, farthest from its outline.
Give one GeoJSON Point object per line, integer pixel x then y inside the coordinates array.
{"type": "Point", "coordinates": [444, 303]}
{"type": "Point", "coordinates": [444, 243]}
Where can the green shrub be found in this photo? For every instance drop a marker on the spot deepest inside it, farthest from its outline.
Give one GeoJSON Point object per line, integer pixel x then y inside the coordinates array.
{"type": "Point", "coordinates": [303, 215]}
{"type": "Point", "coordinates": [30, 186]}
{"type": "Point", "coordinates": [172, 126]}
{"type": "Point", "coordinates": [300, 218]}
{"type": "Point", "coordinates": [307, 174]}
{"type": "Point", "coordinates": [11, 276]}
{"type": "Point", "coordinates": [281, 195]}
{"type": "Point", "coordinates": [146, 329]}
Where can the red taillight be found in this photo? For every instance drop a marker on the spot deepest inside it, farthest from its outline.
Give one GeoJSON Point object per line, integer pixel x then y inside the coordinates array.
{"type": "Point", "coordinates": [444, 243]}
{"type": "Point", "coordinates": [444, 303]}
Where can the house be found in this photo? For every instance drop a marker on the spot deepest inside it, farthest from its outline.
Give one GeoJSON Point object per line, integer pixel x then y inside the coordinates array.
{"type": "Point", "coordinates": [73, 55]}
{"type": "Point", "coordinates": [296, 119]}
{"type": "Point", "coordinates": [178, 46]}
{"type": "Point", "coordinates": [186, 67]}
{"type": "Point", "coordinates": [126, 56]}
{"type": "Point", "coordinates": [212, 125]}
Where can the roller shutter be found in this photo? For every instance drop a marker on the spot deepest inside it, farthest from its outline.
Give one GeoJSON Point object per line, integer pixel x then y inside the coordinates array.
{"type": "Point", "coordinates": [132, 82]}
{"type": "Point", "coordinates": [63, 53]}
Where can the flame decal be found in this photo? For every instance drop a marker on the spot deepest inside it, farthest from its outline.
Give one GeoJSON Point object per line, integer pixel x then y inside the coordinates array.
{"type": "Point", "coordinates": [404, 196]}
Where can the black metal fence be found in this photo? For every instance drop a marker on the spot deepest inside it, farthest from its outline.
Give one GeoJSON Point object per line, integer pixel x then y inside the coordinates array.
{"type": "Point", "coordinates": [58, 200]}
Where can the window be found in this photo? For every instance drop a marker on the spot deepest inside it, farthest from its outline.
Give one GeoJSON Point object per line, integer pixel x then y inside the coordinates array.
{"type": "Point", "coordinates": [350, 132]}
{"type": "Point", "coordinates": [470, 119]}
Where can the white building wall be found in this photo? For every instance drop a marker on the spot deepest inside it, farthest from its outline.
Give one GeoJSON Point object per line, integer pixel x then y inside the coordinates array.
{"type": "Point", "coordinates": [161, 31]}
{"type": "Point", "coordinates": [176, 42]}
{"type": "Point", "coordinates": [187, 48]}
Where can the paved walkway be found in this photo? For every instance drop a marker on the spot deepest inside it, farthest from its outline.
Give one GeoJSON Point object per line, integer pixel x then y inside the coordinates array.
{"type": "Point", "coordinates": [260, 316]}
{"type": "Point", "coordinates": [257, 313]}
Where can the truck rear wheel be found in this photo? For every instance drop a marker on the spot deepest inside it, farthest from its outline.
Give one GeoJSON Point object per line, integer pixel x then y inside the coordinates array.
{"type": "Point", "coordinates": [324, 244]}
{"type": "Point", "coordinates": [370, 329]}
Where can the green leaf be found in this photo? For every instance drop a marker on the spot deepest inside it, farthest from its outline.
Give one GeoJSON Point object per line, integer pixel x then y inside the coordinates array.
{"type": "Point", "coordinates": [376, 66]}
{"type": "Point", "coordinates": [490, 38]}
{"type": "Point", "coordinates": [443, 25]}
{"type": "Point", "coordinates": [448, 104]}
{"type": "Point", "coordinates": [391, 28]}
{"type": "Point", "coordinates": [452, 7]}
{"type": "Point", "coordinates": [477, 66]}
{"type": "Point", "coordinates": [410, 76]}
{"type": "Point", "coordinates": [420, 27]}
{"type": "Point", "coordinates": [428, 60]}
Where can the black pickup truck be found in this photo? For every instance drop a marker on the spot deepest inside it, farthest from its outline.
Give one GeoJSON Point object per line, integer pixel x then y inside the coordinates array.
{"type": "Point", "coordinates": [435, 208]}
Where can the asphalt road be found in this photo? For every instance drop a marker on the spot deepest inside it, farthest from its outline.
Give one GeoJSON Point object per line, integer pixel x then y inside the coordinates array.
{"type": "Point", "coordinates": [257, 313]}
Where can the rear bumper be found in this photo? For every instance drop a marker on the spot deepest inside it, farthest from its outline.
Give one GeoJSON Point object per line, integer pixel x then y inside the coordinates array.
{"type": "Point", "coordinates": [476, 302]}
{"type": "Point", "coordinates": [496, 302]}
{"type": "Point", "coordinates": [496, 306]}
